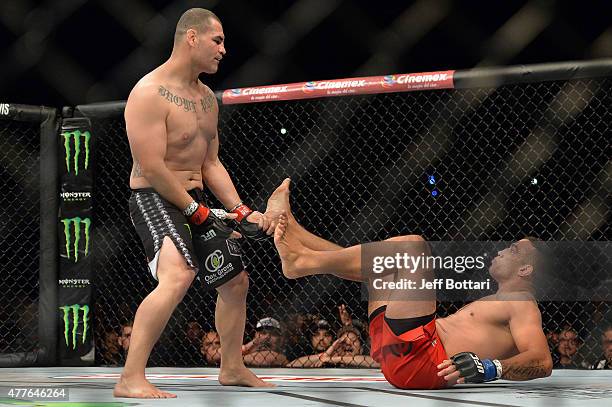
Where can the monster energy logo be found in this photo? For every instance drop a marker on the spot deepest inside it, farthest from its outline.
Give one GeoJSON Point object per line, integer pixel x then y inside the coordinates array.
{"type": "Point", "coordinates": [76, 136]}
{"type": "Point", "coordinates": [76, 229]}
{"type": "Point", "coordinates": [75, 310]}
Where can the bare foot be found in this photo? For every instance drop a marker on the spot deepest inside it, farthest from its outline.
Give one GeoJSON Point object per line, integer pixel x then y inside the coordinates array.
{"type": "Point", "coordinates": [294, 255]}
{"type": "Point", "coordinates": [139, 388]}
{"type": "Point", "coordinates": [279, 203]}
{"type": "Point", "coordinates": [241, 377]}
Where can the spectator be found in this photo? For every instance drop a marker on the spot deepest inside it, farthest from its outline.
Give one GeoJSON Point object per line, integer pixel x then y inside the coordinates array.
{"type": "Point", "coordinates": [192, 341]}
{"type": "Point", "coordinates": [344, 351]}
{"type": "Point", "coordinates": [126, 334]}
{"type": "Point", "coordinates": [211, 348]}
{"type": "Point", "coordinates": [321, 339]}
{"type": "Point", "coordinates": [111, 354]}
{"type": "Point", "coordinates": [297, 335]}
{"type": "Point", "coordinates": [266, 348]}
{"type": "Point", "coordinates": [566, 350]}
{"type": "Point", "coordinates": [606, 344]}
{"type": "Point", "coordinates": [348, 350]}
{"type": "Point", "coordinates": [194, 331]}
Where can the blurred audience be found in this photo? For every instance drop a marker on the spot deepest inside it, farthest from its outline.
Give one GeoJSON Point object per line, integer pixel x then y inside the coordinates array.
{"type": "Point", "coordinates": [345, 351]}
{"type": "Point", "coordinates": [606, 344]}
{"type": "Point", "coordinates": [567, 347]}
{"type": "Point", "coordinates": [297, 335]}
{"type": "Point", "coordinates": [266, 348]}
{"type": "Point", "coordinates": [192, 341]}
{"type": "Point", "coordinates": [321, 338]}
{"type": "Point", "coordinates": [126, 335]}
{"type": "Point", "coordinates": [211, 348]}
{"type": "Point", "coordinates": [111, 354]}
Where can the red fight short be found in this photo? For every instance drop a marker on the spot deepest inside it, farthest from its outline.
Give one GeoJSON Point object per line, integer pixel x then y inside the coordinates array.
{"type": "Point", "coordinates": [408, 361]}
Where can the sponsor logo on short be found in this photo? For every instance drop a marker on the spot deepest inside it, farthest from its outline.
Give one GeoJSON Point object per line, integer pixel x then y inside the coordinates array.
{"type": "Point", "coordinates": [209, 235]}
{"type": "Point", "coordinates": [233, 247]}
{"type": "Point", "coordinates": [4, 109]}
{"type": "Point", "coordinates": [214, 261]}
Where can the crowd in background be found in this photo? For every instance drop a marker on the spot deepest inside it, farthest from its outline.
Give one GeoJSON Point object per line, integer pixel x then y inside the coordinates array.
{"type": "Point", "coordinates": [301, 340]}
{"type": "Point", "coordinates": [310, 340]}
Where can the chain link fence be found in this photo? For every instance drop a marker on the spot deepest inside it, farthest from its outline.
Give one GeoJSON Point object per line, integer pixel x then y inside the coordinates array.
{"type": "Point", "coordinates": [20, 230]}
{"type": "Point", "coordinates": [512, 161]}
{"type": "Point", "coordinates": [527, 159]}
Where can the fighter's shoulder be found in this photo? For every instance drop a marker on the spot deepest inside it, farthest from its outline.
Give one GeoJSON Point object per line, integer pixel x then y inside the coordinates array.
{"type": "Point", "coordinates": [206, 91]}
{"type": "Point", "coordinates": [147, 89]}
{"type": "Point", "coordinates": [523, 306]}
{"type": "Point", "coordinates": [147, 98]}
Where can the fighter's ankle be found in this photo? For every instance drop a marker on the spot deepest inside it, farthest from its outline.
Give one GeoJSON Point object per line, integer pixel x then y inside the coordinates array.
{"type": "Point", "coordinates": [131, 376]}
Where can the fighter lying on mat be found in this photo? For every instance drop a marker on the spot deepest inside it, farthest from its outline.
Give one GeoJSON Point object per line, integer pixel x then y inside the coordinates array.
{"type": "Point", "coordinates": [499, 336]}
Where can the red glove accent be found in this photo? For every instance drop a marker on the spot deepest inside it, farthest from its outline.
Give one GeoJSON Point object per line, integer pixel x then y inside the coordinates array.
{"type": "Point", "coordinates": [200, 215]}
{"type": "Point", "coordinates": [242, 211]}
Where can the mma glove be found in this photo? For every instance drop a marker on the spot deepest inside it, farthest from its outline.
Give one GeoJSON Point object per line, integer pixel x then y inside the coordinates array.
{"type": "Point", "coordinates": [248, 229]}
{"type": "Point", "coordinates": [475, 370]}
{"type": "Point", "coordinates": [205, 222]}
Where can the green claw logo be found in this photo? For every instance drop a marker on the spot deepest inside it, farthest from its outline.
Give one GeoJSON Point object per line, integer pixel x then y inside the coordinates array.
{"type": "Point", "coordinates": [75, 310]}
{"type": "Point", "coordinates": [76, 136]}
{"type": "Point", "coordinates": [72, 248]}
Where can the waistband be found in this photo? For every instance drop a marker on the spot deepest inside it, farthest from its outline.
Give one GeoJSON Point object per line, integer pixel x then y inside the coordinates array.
{"type": "Point", "coordinates": [376, 313]}
{"type": "Point", "coordinates": [196, 193]}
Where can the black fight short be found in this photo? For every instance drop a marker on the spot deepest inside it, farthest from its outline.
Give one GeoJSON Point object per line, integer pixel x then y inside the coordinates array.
{"type": "Point", "coordinates": [154, 218]}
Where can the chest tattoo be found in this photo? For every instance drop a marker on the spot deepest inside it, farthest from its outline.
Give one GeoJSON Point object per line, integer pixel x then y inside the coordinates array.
{"type": "Point", "coordinates": [207, 102]}
{"type": "Point", "coordinates": [186, 104]}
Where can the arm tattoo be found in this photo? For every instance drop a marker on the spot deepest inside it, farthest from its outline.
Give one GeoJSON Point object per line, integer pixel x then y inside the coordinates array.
{"type": "Point", "coordinates": [186, 104]}
{"type": "Point", "coordinates": [137, 169]}
{"type": "Point", "coordinates": [207, 102]}
{"type": "Point", "coordinates": [523, 372]}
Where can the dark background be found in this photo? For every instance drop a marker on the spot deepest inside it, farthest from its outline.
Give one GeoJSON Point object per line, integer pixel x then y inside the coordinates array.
{"type": "Point", "coordinates": [61, 52]}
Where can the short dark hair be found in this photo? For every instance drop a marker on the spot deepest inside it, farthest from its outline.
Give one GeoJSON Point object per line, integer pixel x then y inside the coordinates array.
{"type": "Point", "coordinates": [198, 18]}
{"type": "Point", "coordinates": [349, 329]}
{"type": "Point", "coordinates": [544, 256]}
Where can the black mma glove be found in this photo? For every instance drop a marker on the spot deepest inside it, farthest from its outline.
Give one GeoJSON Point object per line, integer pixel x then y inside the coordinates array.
{"type": "Point", "coordinates": [248, 229]}
{"type": "Point", "coordinates": [205, 223]}
{"type": "Point", "coordinates": [474, 370]}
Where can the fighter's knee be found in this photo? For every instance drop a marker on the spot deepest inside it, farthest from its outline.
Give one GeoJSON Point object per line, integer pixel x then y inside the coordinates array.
{"type": "Point", "coordinates": [176, 282]}
{"type": "Point", "coordinates": [407, 238]}
{"type": "Point", "coordinates": [237, 286]}
{"type": "Point", "coordinates": [415, 243]}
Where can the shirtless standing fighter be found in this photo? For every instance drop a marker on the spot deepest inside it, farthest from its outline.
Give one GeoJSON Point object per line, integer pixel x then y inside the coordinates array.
{"type": "Point", "coordinates": [171, 120]}
{"type": "Point", "coordinates": [495, 337]}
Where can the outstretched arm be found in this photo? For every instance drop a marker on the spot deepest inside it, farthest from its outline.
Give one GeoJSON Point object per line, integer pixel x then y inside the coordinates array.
{"type": "Point", "coordinates": [534, 359]}
{"type": "Point", "coordinates": [217, 179]}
